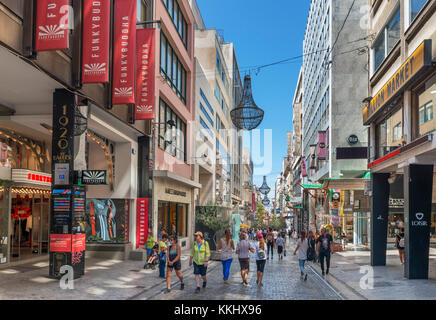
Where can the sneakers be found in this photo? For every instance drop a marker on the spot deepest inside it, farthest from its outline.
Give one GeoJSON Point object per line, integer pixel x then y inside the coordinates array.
{"type": "Point", "coordinates": [305, 277]}
{"type": "Point", "coordinates": [197, 290]}
{"type": "Point", "coordinates": [204, 284]}
{"type": "Point", "coordinates": [323, 273]}
{"type": "Point", "coordinates": [168, 290]}
{"type": "Point", "coordinates": [182, 286]}
{"type": "Point", "coordinates": [327, 272]}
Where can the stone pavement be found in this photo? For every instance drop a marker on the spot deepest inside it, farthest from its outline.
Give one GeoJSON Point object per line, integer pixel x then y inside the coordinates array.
{"type": "Point", "coordinates": [126, 280]}
{"type": "Point", "coordinates": [281, 282]}
{"type": "Point", "coordinates": [388, 282]}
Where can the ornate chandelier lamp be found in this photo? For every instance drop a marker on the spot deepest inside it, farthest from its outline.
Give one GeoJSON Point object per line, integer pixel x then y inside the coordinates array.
{"type": "Point", "coordinates": [247, 116]}
{"type": "Point", "coordinates": [264, 189]}
{"type": "Point", "coordinates": [266, 201]}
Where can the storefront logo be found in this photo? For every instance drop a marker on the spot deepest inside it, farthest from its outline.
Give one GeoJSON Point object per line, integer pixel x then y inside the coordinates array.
{"type": "Point", "coordinates": [353, 139]}
{"type": "Point", "coordinates": [175, 192]}
{"type": "Point", "coordinates": [95, 68]}
{"type": "Point", "coordinates": [94, 177]}
{"type": "Point", "coordinates": [419, 222]}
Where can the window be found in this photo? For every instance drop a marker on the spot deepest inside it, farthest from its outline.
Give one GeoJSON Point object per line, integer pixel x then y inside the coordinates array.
{"type": "Point", "coordinates": [172, 69]}
{"type": "Point", "coordinates": [172, 140]}
{"type": "Point", "coordinates": [415, 8]}
{"type": "Point", "coordinates": [397, 132]}
{"type": "Point", "coordinates": [206, 114]}
{"type": "Point", "coordinates": [173, 217]}
{"type": "Point", "coordinates": [178, 19]}
{"type": "Point", "coordinates": [206, 101]}
{"type": "Point", "coordinates": [426, 100]}
{"type": "Point", "coordinates": [387, 39]}
{"type": "Point", "coordinates": [389, 133]}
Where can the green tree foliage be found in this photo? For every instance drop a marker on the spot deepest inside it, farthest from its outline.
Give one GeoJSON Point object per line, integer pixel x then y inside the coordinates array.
{"type": "Point", "coordinates": [211, 216]}
{"type": "Point", "coordinates": [260, 217]}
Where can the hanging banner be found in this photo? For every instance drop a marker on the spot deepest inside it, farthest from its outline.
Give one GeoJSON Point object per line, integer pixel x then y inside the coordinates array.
{"type": "Point", "coordinates": [145, 65]}
{"type": "Point", "coordinates": [303, 167]}
{"type": "Point", "coordinates": [95, 43]}
{"type": "Point", "coordinates": [322, 150]}
{"type": "Point", "coordinates": [312, 156]}
{"type": "Point", "coordinates": [52, 25]}
{"type": "Point", "coordinates": [141, 222]}
{"type": "Point", "coordinates": [124, 52]}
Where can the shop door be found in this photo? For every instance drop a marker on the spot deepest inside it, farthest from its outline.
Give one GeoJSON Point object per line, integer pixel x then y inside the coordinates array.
{"type": "Point", "coordinates": [40, 225]}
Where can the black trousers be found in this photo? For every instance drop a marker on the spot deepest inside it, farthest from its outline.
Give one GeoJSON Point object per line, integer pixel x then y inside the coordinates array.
{"type": "Point", "coordinates": [326, 255]}
{"type": "Point", "coordinates": [270, 245]}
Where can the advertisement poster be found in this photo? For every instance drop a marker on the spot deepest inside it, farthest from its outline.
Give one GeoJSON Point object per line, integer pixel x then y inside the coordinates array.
{"type": "Point", "coordinates": [141, 222]}
{"type": "Point", "coordinates": [95, 54]}
{"type": "Point", "coordinates": [52, 25]}
{"type": "Point", "coordinates": [145, 65]}
{"type": "Point", "coordinates": [106, 220]}
{"type": "Point", "coordinates": [124, 52]}
{"type": "Point", "coordinates": [60, 243]}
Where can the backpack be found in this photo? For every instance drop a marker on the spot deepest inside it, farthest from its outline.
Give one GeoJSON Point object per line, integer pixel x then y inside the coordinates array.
{"type": "Point", "coordinates": [261, 254]}
{"type": "Point", "coordinates": [401, 243]}
{"type": "Point", "coordinates": [310, 252]}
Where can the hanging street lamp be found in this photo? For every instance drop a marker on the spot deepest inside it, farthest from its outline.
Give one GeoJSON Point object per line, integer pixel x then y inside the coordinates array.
{"type": "Point", "coordinates": [247, 115]}
{"type": "Point", "coordinates": [266, 201]}
{"type": "Point", "coordinates": [264, 189]}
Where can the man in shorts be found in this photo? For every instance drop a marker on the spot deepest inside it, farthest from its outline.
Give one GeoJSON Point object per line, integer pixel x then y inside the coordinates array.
{"type": "Point", "coordinates": [242, 250]}
{"type": "Point", "coordinates": [200, 255]}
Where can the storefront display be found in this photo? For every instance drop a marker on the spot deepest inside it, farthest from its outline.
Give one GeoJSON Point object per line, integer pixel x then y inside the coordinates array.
{"type": "Point", "coordinates": [107, 220]}
{"type": "Point", "coordinates": [173, 218]}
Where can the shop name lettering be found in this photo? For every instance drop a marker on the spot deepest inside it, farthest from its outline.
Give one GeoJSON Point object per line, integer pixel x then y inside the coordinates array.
{"type": "Point", "coordinates": [175, 192]}
{"type": "Point", "coordinates": [124, 48]}
{"type": "Point", "coordinates": [62, 142]}
{"type": "Point", "coordinates": [96, 29]}
{"type": "Point", "coordinates": [396, 203]}
{"type": "Point", "coordinates": [144, 79]}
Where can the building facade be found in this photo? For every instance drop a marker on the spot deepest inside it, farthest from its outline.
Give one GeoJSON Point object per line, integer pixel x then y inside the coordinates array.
{"type": "Point", "coordinates": [399, 112]}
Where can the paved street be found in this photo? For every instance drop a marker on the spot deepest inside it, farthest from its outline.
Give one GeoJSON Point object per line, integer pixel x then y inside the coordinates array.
{"type": "Point", "coordinates": [122, 280]}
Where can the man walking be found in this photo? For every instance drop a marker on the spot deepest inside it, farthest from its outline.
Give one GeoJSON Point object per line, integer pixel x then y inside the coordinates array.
{"type": "Point", "coordinates": [242, 250]}
{"type": "Point", "coordinates": [270, 243]}
{"type": "Point", "coordinates": [200, 254]}
{"type": "Point", "coordinates": [323, 249]}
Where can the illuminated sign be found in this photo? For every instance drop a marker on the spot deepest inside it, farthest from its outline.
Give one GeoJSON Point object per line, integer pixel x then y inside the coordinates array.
{"type": "Point", "coordinates": [31, 177]}
{"type": "Point", "coordinates": [419, 59]}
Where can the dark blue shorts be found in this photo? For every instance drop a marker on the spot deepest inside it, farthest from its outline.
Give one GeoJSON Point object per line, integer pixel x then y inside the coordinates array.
{"type": "Point", "coordinates": [201, 270]}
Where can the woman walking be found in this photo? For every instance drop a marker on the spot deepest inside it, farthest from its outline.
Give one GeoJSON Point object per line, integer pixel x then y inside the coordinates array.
{"type": "Point", "coordinates": [226, 245]}
{"type": "Point", "coordinates": [260, 258]}
{"type": "Point", "coordinates": [173, 262]}
{"type": "Point", "coordinates": [311, 251]}
{"type": "Point", "coordinates": [301, 249]}
{"type": "Point", "coordinates": [242, 249]}
{"type": "Point", "coordinates": [399, 243]}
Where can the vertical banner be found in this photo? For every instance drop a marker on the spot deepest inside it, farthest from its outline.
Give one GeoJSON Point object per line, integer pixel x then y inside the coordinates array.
{"type": "Point", "coordinates": [145, 65]}
{"type": "Point", "coordinates": [303, 167]}
{"type": "Point", "coordinates": [95, 43]}
{"type": "Point", "coordinates": [322, 151]}
{"type": "Point", "coordinates": [124, 52]}
{"type": "Point", "coordinates": [141, 222]}
{"type": "Point", "coordinates": [52, 25]}
{"type": "Point", "coordinates": [312, 156]}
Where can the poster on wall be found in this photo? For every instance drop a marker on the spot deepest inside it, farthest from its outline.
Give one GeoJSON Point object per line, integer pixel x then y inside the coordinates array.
{"type": "Point", "coordinates": [124, 52]}
{"type": "Point", "coordinates": [95, 44]}
{"type": "Point", "coordinates": [106, 220]}
{"type": "Point", "coordinates": [141, 222]}
{"type": "Point", "coordinates": [52, 25]}
{"type": "Point", "coordinates": [145, 39]}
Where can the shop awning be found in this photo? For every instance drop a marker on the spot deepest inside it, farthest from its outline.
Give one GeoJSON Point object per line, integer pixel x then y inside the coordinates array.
{"type": "Point", "coordinates": [346, 184]}
{"type": "Point", "coordinates": [311, 186]}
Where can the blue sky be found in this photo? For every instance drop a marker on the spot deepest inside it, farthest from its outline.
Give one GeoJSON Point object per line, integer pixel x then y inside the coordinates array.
{"type": "Point", "coordinates": [263, 33]}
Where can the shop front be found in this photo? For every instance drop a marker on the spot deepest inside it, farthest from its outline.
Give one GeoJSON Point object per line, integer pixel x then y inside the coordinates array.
{"type": "Point", "coordinates": [403, 159]}
{"type": "Point", "coordinates": [174, 206]}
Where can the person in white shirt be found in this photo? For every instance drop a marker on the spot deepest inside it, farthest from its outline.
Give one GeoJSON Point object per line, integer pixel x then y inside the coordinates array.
{"type": "Point", "coordinates": [301, 252]}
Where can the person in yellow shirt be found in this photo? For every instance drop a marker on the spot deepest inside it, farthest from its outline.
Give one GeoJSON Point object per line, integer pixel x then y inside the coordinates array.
{"type": "Point", "coordinates": [149, 244]}
{"type": "Point", "coordinates": [200, 254]}
{"type": "Point", "coordinates": [163, 255]}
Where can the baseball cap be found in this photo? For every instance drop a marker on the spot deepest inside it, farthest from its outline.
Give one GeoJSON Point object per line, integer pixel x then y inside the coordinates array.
{"type": "Point", "coordinates": [260, 235]}
{"type": "Point", "coordinates": [198, 233]}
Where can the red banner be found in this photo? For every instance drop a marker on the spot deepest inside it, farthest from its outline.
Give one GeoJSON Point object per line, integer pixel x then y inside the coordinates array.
{"type": "Point", "coordinates": [52, 25]}
{"type": "Point", "coordinates": [145, 64]}
{"type": "Point", "coordinates": [141, 222]}
{"type": "Point", "coordinates": [78, 242]}
{"type": "Point", "coordinates": [95, 43]}
{"type": "Point", "coordinates": [124, 52]}
{"type": "Point", "coordinates": [60, 243]}
{"type": "Point", "coordinates": [322, 150]}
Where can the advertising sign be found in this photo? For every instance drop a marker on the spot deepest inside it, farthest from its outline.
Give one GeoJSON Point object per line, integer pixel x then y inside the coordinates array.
{"type": "Point", "coordinates": [95, 43]}
{"type": "Point", "coordinates": [145, 65]}
{"type": "Point", "coordinates": [322, 150]}
{"type": "Point", "coordinates": [124, 52]}
{"type": "Point", "coordinates": [303, 167]}
{"type": "Point", "coordinates": [51, 25]}
{"type": "Point", "coordinates": [141, 222]}
{"type": "Point", "coordinates": [94, 177]}
{"type": "Point", "coordinates": [60, 243]}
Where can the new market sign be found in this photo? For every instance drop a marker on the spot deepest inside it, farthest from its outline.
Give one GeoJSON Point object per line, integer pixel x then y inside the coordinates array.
{"type": "Point", "coordinates": [418, 61]}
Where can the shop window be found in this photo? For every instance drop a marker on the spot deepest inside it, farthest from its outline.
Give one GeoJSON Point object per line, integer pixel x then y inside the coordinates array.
{"type": "Point", "coordinates": [426, 102]}
{"type": "Point", "coordinates": [4, 225]}
{"type": "Point", "coordinates": [173, 218]}
{"type": "Point", "coordinates": [389, 133]}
